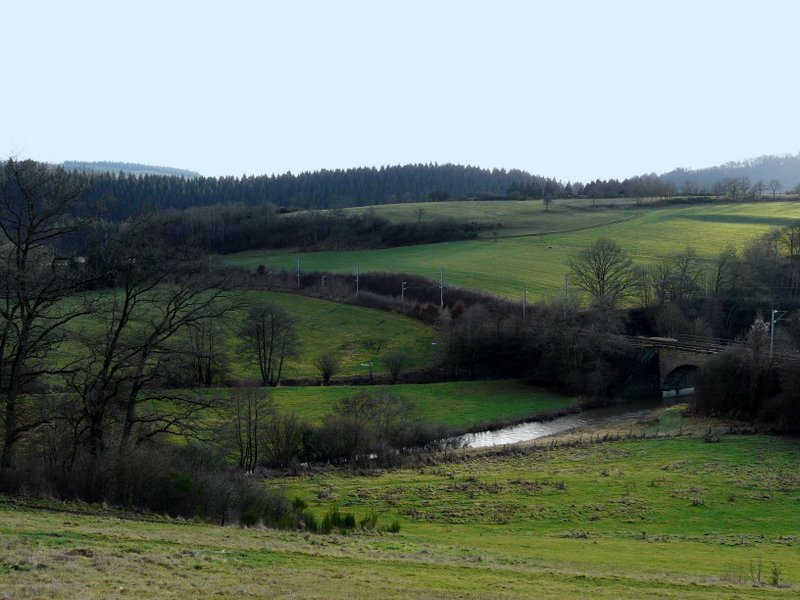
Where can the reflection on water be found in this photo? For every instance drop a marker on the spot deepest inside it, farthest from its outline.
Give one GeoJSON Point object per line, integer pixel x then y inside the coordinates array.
{"type": "Point", "coordinates": [599, 417]}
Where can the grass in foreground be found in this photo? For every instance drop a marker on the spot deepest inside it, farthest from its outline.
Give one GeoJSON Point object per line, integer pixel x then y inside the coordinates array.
{"type": "Point", "coordinates": [509, 265]}
{"type": "Point", "coordinates": [668, 518]}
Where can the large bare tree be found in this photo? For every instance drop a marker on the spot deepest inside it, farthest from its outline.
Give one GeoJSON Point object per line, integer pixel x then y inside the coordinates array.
{"type": "Point", "coordinates": [271, 335]}
{"type": "Point", "coordinates": [604, 271]}
{"type": "Point", "coordinates": [40, 207]}
{"type": "Point", "coordinates": [157, 293]}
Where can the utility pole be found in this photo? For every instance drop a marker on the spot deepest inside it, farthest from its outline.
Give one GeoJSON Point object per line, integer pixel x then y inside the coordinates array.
{"type": "Point", "coordinates": [441, 287]}
{"type": "Point", "coordinates": [566, 294]}
{"type": "Point", "coordinates": [772, 322]}
{"type": "Point", "coordinates": [357, 273]}
{"type": "Point", "coordinates": [524, 305]}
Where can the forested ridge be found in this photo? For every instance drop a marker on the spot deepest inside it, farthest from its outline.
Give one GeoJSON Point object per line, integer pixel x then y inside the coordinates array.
{"type": "Point", "coordinates": [784, 169]}
{"type": "Point", "coordinates": [105, 166]}
{"type": "Point", "coordinates": [128, 194]}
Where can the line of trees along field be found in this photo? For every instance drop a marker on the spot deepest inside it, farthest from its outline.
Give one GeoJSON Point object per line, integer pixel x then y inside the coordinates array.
{"type": "Point", "coordinates": [126, 195]}
{"type": "Point", "coordinates": [233, 228]}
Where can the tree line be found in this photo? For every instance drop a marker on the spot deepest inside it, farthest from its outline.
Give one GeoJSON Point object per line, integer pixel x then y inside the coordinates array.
{"type": "Point", "coordinates": [233, 228]}
{"type": "Point", "coordinates": [765, 169]}
{"type": "Point", "coordinates": [124, 195]}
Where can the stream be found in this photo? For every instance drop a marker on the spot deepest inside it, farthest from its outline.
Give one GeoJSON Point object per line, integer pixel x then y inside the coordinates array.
{"type": "Point", "coordinates": [596, 417]}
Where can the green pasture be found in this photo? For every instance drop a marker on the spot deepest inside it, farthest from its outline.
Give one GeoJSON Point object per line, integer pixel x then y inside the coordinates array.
{"type": "Point", "coordinates": [457, 404]}
{"type": "Point", "coordinates": [322, 327]}
{"type": "Point", "coordinates": [327, 326]}
{"type": "Point", "coordinates": [535, 260]}
{"type": "Point", "coordinates": [667, 518]}
{"type": "Point", "coordinates": [509, 217]}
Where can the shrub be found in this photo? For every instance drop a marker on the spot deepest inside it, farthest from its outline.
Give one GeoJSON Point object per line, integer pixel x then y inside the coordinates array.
{"type": "Point", "coordinates": [369, 521]}
{"type": "Point", "coordinates": [334, 519]}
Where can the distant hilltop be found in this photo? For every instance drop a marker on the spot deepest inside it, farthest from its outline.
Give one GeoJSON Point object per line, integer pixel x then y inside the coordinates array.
{"type": "Point", "coordinates": [132, 168]}
{"type": "Point", "coordinates": [783, 169]}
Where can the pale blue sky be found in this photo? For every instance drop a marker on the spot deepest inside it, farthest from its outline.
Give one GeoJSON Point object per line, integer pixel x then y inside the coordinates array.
{"type": "Point", "coordinates": [574, 90]}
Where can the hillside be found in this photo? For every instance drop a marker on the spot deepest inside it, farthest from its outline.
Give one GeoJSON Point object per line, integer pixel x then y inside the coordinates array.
{"type": "Point", "coordinates": [785, 169]}
{"type": "Point", "coordinates": [127, 168]}
{"type": "Point", "coordinates": [533, 247]}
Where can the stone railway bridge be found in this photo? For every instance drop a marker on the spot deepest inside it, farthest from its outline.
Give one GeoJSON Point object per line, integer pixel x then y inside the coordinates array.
{"type": "Point", "coordinates": [680, 359]}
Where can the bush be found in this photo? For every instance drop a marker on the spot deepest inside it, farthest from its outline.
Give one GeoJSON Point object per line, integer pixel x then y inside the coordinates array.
{"type": "Point", "coordinates": [334, 519]}
{"type": "Point", "coordinates": [722, 384]}
{"type": "Point", "coordinates": [284, 439]}
{"type": "Point", "coordinates": [783, 410]}
{"type": "Point", "coordinates": [309, 521]}
{"type": "Point", "coordinates": [341, 438]}
{"type": "Point", "coordinates": [370, 521]}
{"type": "Point", "coordinates": [394, 527]}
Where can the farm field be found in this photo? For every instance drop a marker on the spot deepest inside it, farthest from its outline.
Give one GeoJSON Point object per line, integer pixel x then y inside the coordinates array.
{"type": "Point", "coordinates": [668, 518]}
{"type": "Point", "coordinates": [528, 260]}
{"type": "Point", "coordinates": [457, 404]}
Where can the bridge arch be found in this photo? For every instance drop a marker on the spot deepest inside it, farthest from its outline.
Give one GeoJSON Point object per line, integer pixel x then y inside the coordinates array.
{"type": "Point", "coordinates": [680, 381]}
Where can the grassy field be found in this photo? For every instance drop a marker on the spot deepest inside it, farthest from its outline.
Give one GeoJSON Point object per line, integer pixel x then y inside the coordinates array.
{"type": "Point", "coordinates": [665, 518]}
{"type": "Point", "coordinates": [324, 326]}
{"type": "Point", "coordinates": [515, 216]}
{"type": "Point", "coordinates": [458, 404]}
{"type": "Point", "coordinates": [532, 259]}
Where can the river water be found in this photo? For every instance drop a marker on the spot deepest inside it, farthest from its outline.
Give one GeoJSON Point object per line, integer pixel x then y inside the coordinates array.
{"type": "Point", "coordinates": [597, 417]}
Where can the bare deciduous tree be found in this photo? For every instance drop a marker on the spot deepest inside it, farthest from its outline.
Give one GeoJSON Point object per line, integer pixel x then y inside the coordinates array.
{"type": "Point", "coordinates": [328, 365]}
{"type": "Point", "coordinates": [252, 408]}
{"type": "Point", "coordinates": [283, 439]}
{"type": "Point", "coordinates": [774, 186]}
{"type": "Point", "coordinates": [722, 275]}
{"type": "Point", "coordinates": [604, 271]}
{"type": "Point", "coordinates": [40, 206]}
{"type": "Point", "coordinates": [396, 362]}
{"type": "Point", "coordinates": [271, 334]}
{"type": "Point", "coordinates": [158, 294]}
